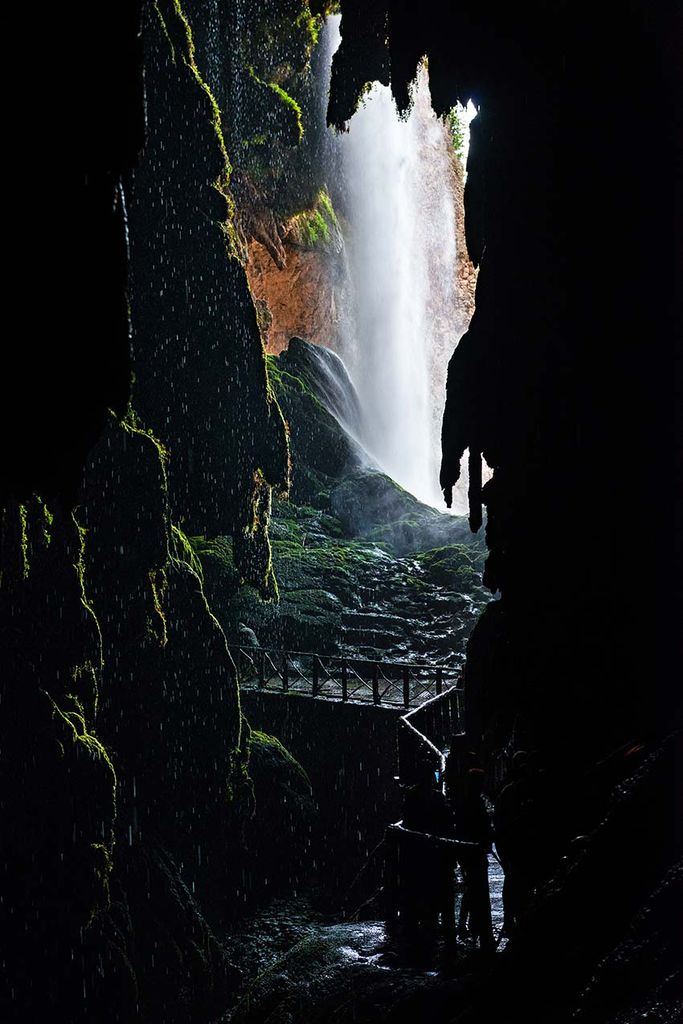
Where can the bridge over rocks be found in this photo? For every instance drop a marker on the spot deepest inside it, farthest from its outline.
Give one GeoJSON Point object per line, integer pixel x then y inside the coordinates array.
{"type": "Point", "coordinates": [358, 728]}
{"type": "Point", "coordinates": [397, 684]}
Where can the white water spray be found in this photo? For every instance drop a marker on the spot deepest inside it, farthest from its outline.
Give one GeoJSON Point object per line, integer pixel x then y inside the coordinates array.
{"type": "Point", "coordinates": [402, 266]}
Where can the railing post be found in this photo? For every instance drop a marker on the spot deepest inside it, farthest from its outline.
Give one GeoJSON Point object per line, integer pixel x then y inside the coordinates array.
{"type": "Point", "coordinates": [456, 717]}
{"type": "Point", "coordinates": [375, 682]}
{"type": "Point", "coordinates": [316, 678]}
{"type": "Point", "coordinates": [285, 672]}
{"type": "Point", "coordinates": [406, 686]}
{"type": "Point", "coordinates": [391, 841]}
{"type": "Point", "coordinates": [344, 680]}
{"type": "Point", "coordinates": [262, 670]}
{"type": "Point", "coordinates": [439, 680]}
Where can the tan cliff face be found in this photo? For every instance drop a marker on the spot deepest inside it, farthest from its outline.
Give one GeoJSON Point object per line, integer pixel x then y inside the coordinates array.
{"type": "Point", "coordinates": [302, 296]}
{"type": "Point", "coordinates": [465, 271]}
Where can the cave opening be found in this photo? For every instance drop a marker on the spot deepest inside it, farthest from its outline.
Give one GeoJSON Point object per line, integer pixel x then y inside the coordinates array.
{"type": "Point", "coordinates": [398, 293]}
{"type": "Point", "coordinates": [235, 627]}
{"type": "Point", "coordinates": [358, 266]}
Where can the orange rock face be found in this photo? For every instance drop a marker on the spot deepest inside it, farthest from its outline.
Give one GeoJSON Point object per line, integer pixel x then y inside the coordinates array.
{"type": "Point", "coordinates": [304, 292]}
{"type": "Point", "coordinates": [465, 272]}
{"type": "Point", "coordinates": [302, 297]}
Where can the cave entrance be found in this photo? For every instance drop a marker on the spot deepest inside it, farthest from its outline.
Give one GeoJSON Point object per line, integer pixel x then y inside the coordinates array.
{"type": "Point", "coordinates": [376, 269]}
{"type": "Point", "coordinates": [363, 291]}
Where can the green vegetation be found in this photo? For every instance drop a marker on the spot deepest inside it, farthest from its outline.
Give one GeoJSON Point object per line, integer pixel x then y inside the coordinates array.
{"type": "Point", "coordinates": [282, 123]}
{"type": "Point", "coordinates": [47, 520]}
{"type": "Point", "coordinates": [455, 119]}
{"type": "Point", "coordinates": [158, 581]}
{"type": "Point", "coordinates": [182, 550]}
{"type": "Point", "coordinates": [321, 8]}
{"type": "Point", "coordinates": [79, 566]}
{"type": "Point", "coordinates": [309, 23]}
{"type": "Point", "coordinates": [314, 228]}
{"type": "Point", "coordinates": [272, 752]}
{"type": "Point", "coordinates": [222, 183]}
{"type": "Point", "coordinates": [458, 566]}
{"type": "Point", "coordinates": [73, 728]}
{"type": "Point", "coordinates": [23, 520]}
{"type": "Point", "coordinates": [290, 105]}
{"type": "Point", "coordinates": [132, 424]}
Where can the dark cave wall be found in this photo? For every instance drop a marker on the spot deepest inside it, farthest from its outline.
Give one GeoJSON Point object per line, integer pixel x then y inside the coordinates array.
{"type": "Point", "coordinates": [560, 380]}
{"type": "Point", "coordinates": [349, 752]}
{"type": "Point", "coordinates": [65, 240]}
{"type": "Point", "coordinates": [564, 380]}
{"type": "Point", "coordinates": [58, 796]}
{"type": "Point", "coordinates": [567, 382]}
{"type": "Point", "coordinates": [128, 785]}
{"type": "Point", "coordinates": [197, 355]}
{"type": "Point", "coordinates": [66, 364]}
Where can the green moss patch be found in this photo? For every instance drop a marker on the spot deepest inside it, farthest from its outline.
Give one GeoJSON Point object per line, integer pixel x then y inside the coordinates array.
{"type": "Point", "coordinates": [317, 227]}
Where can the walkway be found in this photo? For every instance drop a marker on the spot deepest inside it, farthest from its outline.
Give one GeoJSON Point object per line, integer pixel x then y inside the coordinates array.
{"type": "Point", "coordinates": [389, 683]}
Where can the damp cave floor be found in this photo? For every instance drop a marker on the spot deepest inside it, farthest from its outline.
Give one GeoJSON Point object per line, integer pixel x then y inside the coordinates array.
{"type": "Point", "coordinates": [300, 963]}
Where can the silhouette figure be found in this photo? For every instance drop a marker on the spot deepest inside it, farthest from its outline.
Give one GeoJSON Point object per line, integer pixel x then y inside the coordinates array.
{"type": "Point", "coordinates": [425, 866]}
{"type": "Point", "coordinates": [461, 757]}
{"type": "Point", "coordinates": [472, 825]}
{"type": "Point", "coordinates": [516, 837]}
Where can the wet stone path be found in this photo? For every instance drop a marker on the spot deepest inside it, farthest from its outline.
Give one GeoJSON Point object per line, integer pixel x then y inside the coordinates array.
{"type": "Point", "coordinates": [299, 964]}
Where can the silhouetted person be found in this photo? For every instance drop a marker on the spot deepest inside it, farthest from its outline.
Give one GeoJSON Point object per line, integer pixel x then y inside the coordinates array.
{"type": "Point", "coordinates": [461, 757]}
{"type": "Point", "coordinates": [517, 839]}
{"type": "Point", "coordinates": [425, 867]}
{"type": "Point", "coordinates": [472, 825]}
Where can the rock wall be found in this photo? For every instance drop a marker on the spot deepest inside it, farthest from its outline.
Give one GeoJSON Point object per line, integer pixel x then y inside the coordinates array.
{"type": "Point", "coordinates": [564, 384]}
{"type": "Point", "coordinates": [127, 787]}
{"type": "Point", "coordinates": [349, 754]}
{"type": "Point", "coordinates": [301, 298]}
{"type": "Point", "coordinates": [302, 287]}
{"type": "Point", "coordinates": [193, 317]}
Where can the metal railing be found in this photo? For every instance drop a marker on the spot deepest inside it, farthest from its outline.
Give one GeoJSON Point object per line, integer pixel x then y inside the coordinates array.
{"type": "Point", "coordinates": [425, 732]}
{"type": "Point", "coordinates": [386, 683]}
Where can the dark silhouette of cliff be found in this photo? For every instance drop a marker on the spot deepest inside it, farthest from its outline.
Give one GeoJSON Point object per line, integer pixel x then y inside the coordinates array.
{"type": "Point", "coordinates": [568, 384]}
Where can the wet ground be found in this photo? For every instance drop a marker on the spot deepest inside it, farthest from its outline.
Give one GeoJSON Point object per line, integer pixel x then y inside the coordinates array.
{"type": "Point", "coordinates": [300, 963]}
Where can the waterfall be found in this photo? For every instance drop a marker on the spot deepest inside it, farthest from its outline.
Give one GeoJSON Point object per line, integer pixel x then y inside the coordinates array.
{"type": "Point", "coordinates": [401, 252]}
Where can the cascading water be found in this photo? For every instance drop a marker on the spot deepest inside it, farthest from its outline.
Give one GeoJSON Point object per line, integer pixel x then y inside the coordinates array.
{"type": "Point", "coordinates": [401, 248]}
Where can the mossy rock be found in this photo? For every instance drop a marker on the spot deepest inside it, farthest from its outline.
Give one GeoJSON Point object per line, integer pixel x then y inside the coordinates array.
{"type": "Point", "coordinates": [271, 765]}
{"type": "Point", "coordinates": [326, 377]}
{"type": "Point", "coordinates": [371, 505]}
{"type": "Point", "coordinates": [456, 566]}
{"type": "Point", "coordinates": [321, 449]}
{"type": "Point", "coordinates": [218, 569]}
{"type": "Point", "coordinates": [318, 228]}
{"type": "Point", "coordinates": [283, 807]}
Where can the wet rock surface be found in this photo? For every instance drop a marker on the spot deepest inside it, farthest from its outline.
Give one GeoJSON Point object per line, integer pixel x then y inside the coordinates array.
{"type": "Point", "coordinates": [364, 569]}
{"type": "Point", "coordinates": [301, 965]}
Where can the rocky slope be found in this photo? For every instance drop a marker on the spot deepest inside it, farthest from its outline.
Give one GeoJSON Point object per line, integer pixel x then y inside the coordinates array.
{"type": "Point", "coordinates": [363, 568]}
